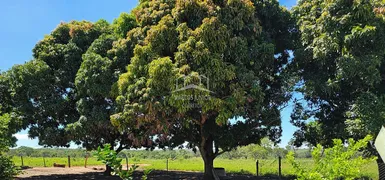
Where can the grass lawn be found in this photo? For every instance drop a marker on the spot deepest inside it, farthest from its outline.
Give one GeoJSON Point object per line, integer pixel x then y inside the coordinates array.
{"type": "Point", "coordinates": [244, 166]}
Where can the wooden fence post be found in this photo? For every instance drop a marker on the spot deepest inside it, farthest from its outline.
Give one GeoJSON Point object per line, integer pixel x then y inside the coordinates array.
{"type": "Point", "coordinates": [279, 166]}
{"type": "Point", "coordinates": [69, 161]}
{"type": "Point", "coordinates": [257, 167]}
{"type": "Point", "coordinates": [44, 161]}
{"type": "Point", "coordinates": [22, 161]}
{"type": "Point", "coordinates": [167, 164]}
{"type": "Point", "coordinates": [85, 162]}
{"type": "Point", "coordinates": [127, 162]}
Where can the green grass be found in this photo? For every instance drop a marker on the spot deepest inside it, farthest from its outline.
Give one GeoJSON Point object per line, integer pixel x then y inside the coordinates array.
{"type": "Point", "coordinates": [38, 161]}
{"type": "Point", "coordinates": [245, 166]}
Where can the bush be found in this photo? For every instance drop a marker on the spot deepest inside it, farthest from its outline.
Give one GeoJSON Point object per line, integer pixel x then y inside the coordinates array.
{"type": "Point", "coordinates": [109, 157]}
{"type": "Point", "coordinates": [8, 170]}
{"type": "Point", "coordinates": [334, 163]}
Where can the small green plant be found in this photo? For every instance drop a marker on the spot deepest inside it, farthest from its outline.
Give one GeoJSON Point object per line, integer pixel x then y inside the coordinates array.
{"type": "Point", "coordinates": [336, 162]}
{"type": "Point", "coordinates": [146, 172]}
{"type": "Point", "coordinates": [109, 157]}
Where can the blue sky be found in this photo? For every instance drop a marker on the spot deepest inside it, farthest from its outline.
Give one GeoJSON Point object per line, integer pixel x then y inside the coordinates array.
{"type": "Point", "coordinates": [25, 22]}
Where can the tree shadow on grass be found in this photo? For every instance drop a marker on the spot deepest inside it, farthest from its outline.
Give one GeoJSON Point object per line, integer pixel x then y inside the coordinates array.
{"type": "Point", "coordinates": [154, 175]}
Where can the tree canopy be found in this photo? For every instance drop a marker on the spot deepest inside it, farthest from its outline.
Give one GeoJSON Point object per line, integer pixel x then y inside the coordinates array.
{"type": "Point", "coordinates": [234, 44]}
{"type": "Point", "coordinates": [63, 94]}
{"type": "Point", "coordinates": [9, 125]}
{"type": "Point", "coordinates": [340, 62]}
{"type": "Point", "coordinates": [213, 75]}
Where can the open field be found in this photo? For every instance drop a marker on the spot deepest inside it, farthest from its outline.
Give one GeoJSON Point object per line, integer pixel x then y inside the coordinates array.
{"type": "Point", "coordinates": [243, 166]}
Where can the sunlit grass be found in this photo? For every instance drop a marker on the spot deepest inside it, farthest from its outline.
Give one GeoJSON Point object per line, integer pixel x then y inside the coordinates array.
{"type": "Point", "coordinates": [49, 161]}
{"type": "Point", "coordinates": [248, 166]}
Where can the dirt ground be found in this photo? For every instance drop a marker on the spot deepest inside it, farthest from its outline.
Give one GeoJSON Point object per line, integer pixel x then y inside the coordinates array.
{"type": "Point", "coordinates": [96, 172]}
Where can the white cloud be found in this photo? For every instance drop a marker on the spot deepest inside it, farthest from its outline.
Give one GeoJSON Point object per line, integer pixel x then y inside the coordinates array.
{"type": "Point", "coordinates": [22, 136]}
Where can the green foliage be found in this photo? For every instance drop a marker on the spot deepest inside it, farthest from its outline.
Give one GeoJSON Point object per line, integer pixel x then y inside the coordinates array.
{"type": "Point", "coordinates": [63, 94]}
{"type": "Point", "coordinates": [25, 151]}
{"type": "Point", "coordinates": [6, 132]}
{"type": "Point", "coordinates": [230, 42]}
{"type": "Point", "coordinates": [43, 89]}
{"type": "Point", "coordinates": [8, 170]}
{"type": "Point", "coordinates": [109, 157]}
{"type": "Point", "coordinates": [266, 150]}
{"type": "Point", "coordinates": [124, 23]}
{"type": "Point", "coordinates": [146, 172]}
{"type": "Point", "coordinates": [340, 60]}
{"type": "Point", "coordinates": [101, 65]}
{"type": "Point", "coordinates": [8, 126]}
{"type": "Point", "coordinates": [335, 162]}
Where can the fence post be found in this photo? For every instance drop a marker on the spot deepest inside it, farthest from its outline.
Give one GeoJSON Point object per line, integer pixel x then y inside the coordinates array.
{"type": "Point", "coordinates": [69, 161]}
{"type": "Point", "coordinates": [44, 161]}
{"type": "Point", "coordinates": [22, 161]}
{"type": "Point", "coordinates": [127, 162]}
{"type": "Point", "coordinates": [85, 162]}
{"type": "Point", "coordinates": [257, 167]}
{"type": "Point", "coordinates": [279, 166]}
{"type": "Point", "coordinates": [167, 164]}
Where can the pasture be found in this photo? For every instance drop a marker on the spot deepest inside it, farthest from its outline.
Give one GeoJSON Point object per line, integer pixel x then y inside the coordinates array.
{"type": "Point", "coordinates": [241, 166]}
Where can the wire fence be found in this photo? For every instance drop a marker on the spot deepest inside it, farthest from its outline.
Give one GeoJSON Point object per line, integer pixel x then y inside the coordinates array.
{"type": "Point", "coordinates": [278, 167]}
{"type": "Point", "coordinates": [282, 168]}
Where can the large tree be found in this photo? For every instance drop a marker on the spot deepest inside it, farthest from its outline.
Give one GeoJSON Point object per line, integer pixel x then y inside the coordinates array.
{"type": "Point", "coordinates": [63, 94]}
{"type": "Point", "coordinates": [239, 45]}
{"type": "Point", "coordinates": [44, 88]}
{"type": "Point", "coordinates": [340, 60]}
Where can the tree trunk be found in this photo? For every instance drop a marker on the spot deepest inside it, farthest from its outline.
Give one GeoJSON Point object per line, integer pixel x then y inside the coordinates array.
{"type": "Point", "coordinates": [209, 166]}
{"type": "Point", "coordinates": [381, 167]}
{"type": "Point", "coordinates": [108, 171]}
{"type": "Point", "coordinates": [208, 156]}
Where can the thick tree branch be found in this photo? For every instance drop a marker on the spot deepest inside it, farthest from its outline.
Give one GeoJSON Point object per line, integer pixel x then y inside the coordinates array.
{"type": "Point", "coordinates": [219, 153]}
{"type": "Point", "coordinates": [120, 148]}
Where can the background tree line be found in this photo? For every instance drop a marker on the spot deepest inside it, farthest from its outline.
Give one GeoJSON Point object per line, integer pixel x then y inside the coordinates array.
{"type": "Point", "coordinates": [266, 150]}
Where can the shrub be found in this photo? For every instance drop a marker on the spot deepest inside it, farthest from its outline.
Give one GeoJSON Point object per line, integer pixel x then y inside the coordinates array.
{"type": "Point", "coordinates": [336, 162]}
{"type": "Point", "coordinates": [8, 170]}
{"type": "Point", "coordinates": [109, 157]}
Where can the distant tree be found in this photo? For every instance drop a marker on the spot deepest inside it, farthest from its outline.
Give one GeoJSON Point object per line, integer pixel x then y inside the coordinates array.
{"type": "Point", "coordinates": [257, 152]}
{"type": "Point", "coordinates": [290, 145]}
{"type": "Point", "coordinates": [240, 45]}
{"type": "Point", "coordinates": [25, 151]}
